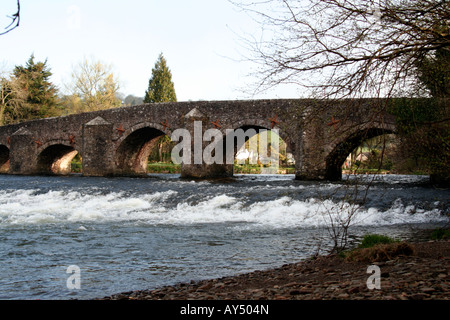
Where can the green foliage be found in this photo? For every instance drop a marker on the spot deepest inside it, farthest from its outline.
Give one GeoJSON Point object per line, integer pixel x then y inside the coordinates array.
{"type": "Point", "coordinates": [162, 150]}
{"type": "Point", "coordinates": [371, 240]}
{"type": "Point", "coordinates": [161, 89]}
{"type": "Point", "coordinates": [423, 123]}
{"type": "Point", "coordinates": [41, 98]}
{"type": "Point", "coordinates": [440, 234]}
{"type": "Point", "coordinates": [412, 113]}
{"type": "Point", "coordinates": [160, 86]}
{"type": "Point", "coordinates": [76, 165]}
{"type": "Point", "coordinates": [433, 71]}
{"type": "Point", "coordinates": [256, 169]}
{"type": "Point", "coordinates": [159, 167]}
{"type": "Point", "coordinates": [424, 128]}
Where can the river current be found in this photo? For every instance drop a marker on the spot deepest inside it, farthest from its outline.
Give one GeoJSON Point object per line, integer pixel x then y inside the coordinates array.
{"type": "Point", "coordinates": [129, 234]}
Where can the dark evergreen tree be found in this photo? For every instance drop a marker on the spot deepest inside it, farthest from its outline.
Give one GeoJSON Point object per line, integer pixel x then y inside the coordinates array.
{"type": "Point", "coordinates": [160, 86]}
{"type": "Point", "coordinates": [433, 72]}
{"type": "Point", "coordinates": [423, 123]}
{"type": "Point", "coordinates": [41, 95]}
{"type": "Point", "coordinates": [160, 89]}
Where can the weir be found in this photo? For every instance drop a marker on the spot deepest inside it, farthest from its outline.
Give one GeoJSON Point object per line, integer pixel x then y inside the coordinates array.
{"type": "Point", "coordinates": [117, 142]}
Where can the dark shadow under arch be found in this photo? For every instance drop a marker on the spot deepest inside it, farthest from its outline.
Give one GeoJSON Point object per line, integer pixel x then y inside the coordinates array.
{"type": "Point", "coordinates": [133, 152]}
{"type": "Point", "coordinates": [4, 159]}
{"type": "Point", "coordinates": [336, 158]}
{"type": "Point", "coordinates": [56, 160]}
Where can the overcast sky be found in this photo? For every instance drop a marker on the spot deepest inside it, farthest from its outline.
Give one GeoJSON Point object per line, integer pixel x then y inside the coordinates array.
{"type": "Point", "coordinates": [200, 39]}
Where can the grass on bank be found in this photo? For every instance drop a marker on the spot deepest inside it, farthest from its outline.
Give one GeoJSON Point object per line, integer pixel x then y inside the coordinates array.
{"type": "Point", "coordinates": [440, 234]}
{"type": "Point", "coordinates": [371, 240]}
{"type": "Point", "coordinates": [257, 169]}
{"type": "Point", "coordinates": [165, 167]}
{"type": "Point", "coordinates": [375, 247]}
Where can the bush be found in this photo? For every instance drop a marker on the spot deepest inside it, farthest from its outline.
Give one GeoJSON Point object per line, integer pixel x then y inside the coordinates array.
{"type": "Point", "coordinates": [440, 234]}
{"type": "Point", "coordinates": [381, 252]}
{"type": "Point", "coordinates": [371, 240]}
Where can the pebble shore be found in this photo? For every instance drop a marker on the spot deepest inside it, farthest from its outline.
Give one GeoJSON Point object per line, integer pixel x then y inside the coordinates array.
{"type": "Point", "coordinates": [423, 275]}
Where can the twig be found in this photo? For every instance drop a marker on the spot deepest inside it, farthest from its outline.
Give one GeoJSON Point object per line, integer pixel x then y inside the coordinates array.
{"type": "Point", "coordinates": [15, 20]}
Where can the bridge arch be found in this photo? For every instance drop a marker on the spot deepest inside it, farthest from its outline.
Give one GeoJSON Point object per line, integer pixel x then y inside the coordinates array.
{"type": "Point", "coordinates": [55, 158]}
{"type": "Point", "coordinates": [258, 124]}
{"type": "Point", "coordinates": [4, 159]}
{"type": "Point", "coordinates": [255, 126]}
{"type": "Point", "coordinates": [135, 146]}
{"type": "Point", "coordinates": [250, 123]}
{"type": "Point", "coordinates": [341, 150]}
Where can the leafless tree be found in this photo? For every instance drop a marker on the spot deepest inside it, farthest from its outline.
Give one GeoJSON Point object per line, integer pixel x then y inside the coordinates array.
{"type": "Point", "coordinates": [12, 98]}
{"type": "Point", "coordinates": [338, 49]}
{"type": "Point", "coordinates": [15, 20]}
{"type": "Point", "coordinates": [93, 87]}
{"type": "Point", "coordinates": [345, 48]}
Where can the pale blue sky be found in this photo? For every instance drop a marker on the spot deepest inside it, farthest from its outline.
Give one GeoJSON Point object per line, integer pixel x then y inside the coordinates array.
{"type": "Point", "coordinates": [200, 40]}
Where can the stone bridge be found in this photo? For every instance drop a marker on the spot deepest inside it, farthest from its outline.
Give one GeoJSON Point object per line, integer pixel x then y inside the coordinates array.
{"type": "Point", "coordinates": [117, 142]}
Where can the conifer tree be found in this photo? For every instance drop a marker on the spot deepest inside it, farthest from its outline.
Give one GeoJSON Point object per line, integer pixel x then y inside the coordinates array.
{"type": "Point", "coordinates": [160, 86]}
{"type": "Point", "coordinates": [161, 89]}
{"type": "Point", "coordinates": [41, 99]}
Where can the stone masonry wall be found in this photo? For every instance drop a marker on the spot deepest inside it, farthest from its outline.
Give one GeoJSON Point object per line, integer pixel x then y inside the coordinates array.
{"type": "Point", "coordinates": [311, 130]}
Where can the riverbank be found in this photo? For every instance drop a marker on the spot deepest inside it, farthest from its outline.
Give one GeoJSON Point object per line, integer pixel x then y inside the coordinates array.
{"type": "Point", "coordinates": [421, 273]}
{"type": "Point", "coordinates": [165, 167]}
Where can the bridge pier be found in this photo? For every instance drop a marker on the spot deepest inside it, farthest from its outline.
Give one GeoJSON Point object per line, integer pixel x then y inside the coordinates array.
{"type": "Point", "coordinates": [22, 150]}
{"type": "Point", "coordinates": [194, 165]}
{"type": "Point", "coordinates": [310, 164]}
{"type": "Point", "coordinates": [98, 148]}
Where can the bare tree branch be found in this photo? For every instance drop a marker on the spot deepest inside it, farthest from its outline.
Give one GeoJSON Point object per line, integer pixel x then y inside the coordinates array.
{"type": "Point", "coordinates": [15, 20]}
{"type": "Point", "coordinates": [346, 48]}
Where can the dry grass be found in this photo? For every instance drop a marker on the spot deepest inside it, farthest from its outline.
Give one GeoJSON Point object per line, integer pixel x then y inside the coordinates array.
{"type": "Point", "coordinates": [381, 252]}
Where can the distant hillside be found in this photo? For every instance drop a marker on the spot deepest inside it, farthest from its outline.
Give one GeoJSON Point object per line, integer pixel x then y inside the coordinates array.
{"type": "Point", "coordinates": [131, 100]}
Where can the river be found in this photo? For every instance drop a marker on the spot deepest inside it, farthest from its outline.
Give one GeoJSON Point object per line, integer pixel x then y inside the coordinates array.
{"type": "Point", "coordinates": [129, 234]}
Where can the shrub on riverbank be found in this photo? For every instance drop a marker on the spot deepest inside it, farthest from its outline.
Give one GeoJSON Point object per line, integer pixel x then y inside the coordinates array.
{"type": "Point", "coordinates": [167, 167]}
{"type": "Point", "coordinates": [256, 169]}
{"type": "Point", "coordinates": [381, 252]}
{"type": "Point", "coordinates": [162, 167]}
{"type": "Point", "coordinates": [371, 240]}
{"type": "Point", "coordinates": [440, 234]}
{"type": "Point", "coordinates": [375, 247]}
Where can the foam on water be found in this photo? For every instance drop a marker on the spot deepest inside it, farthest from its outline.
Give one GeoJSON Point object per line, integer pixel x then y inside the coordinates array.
{"type": "Point", "coordinates": [32, 207]}
{"type": "Point", "coordinates": [130, 234]}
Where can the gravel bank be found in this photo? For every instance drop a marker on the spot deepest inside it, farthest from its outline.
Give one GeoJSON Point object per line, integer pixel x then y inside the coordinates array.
{"type": "Point", "coordinates": [422, 275]}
